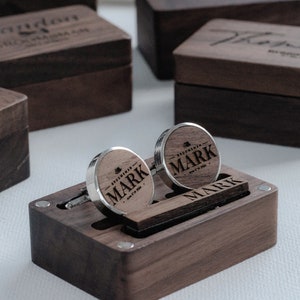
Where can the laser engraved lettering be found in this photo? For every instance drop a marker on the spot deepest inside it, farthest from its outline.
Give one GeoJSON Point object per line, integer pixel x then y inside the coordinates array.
{"type": "Point", "coordinates": [126, 184]}
{"type": "Point", "coordinates": [212, 189]}
{"type": "Point", "coordinates": [193, 159]}
{"type": "Point", "coordinates": [266, 38]}
{"type": "Point", "coordinates": [40, 26]}
{"type": "Point", "coordinates": [42, 31]}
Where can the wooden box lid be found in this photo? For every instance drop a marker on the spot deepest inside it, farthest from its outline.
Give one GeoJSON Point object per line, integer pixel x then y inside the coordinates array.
{"type": "Point", "coordinates": [59, 43]}
{"type": "Point", "coordinates": [13, 112]}
{"type": "Point", "coordinates": [242, 55]}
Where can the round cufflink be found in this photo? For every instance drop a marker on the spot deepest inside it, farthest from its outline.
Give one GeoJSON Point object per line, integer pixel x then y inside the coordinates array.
{"type": "Point", "coordinates": [186, 156]}
{"type": "Point", "coordinates": [120, 181]}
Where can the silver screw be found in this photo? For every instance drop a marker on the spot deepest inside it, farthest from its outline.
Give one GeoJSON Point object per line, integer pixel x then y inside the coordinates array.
{"type": "Point", "coordinates": [264, 188]}
{"type": "Point", "coordinates": [42, 204]}
{"type": "Point", "coordinates": [125, 245]}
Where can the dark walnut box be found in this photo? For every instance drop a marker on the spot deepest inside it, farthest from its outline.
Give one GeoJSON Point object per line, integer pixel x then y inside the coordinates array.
{"type": "Point", "coordinates": [241, 80]}
{"type": "Point", "coordinates": [165, 24]}
{"type": "Point", "coordinates": [101, 257]}
{"type": "Point", "coordinates": [14, 150]}
{"type": "Point", "coordinates": [10, 7]}
{"type": "Point", "coordinates": [72, 65]}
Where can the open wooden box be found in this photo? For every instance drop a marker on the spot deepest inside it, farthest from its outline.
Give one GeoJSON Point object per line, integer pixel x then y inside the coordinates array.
{"type": "Point", "coordinates": [239, 80]}
{"type": "Point", "coordinates": [72, 65]}
{"type": "Point", "coordinates": [103, 258]}
{"type": "Point", "coordinates": [14, 149]}
{"type": "Point", "coordinates": [165, 24]}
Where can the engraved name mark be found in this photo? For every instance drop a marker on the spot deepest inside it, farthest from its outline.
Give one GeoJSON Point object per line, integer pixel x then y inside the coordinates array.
{"type": "Point", "coordinates": [38, 26]}
{"type": "Point", "coordinates": [266, 38]}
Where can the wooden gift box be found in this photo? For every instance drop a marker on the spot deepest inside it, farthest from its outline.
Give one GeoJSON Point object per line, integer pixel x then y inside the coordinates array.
{"type": "Point", "coordinates": [240, 80]}
{"type": "Point", "coordinates": [72, 65]}
{"type": "Point", "coordinates": [96, 254]}
{"type": "Point", "coordinates": [165, 24]}
{"type": "Point", "coordinates": [10, 7]}
{"type": "Point", "coordinates": [14, 150]}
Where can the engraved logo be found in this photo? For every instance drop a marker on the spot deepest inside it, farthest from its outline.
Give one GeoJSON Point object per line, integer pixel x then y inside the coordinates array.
{"type": "Point", "coordinates": [192, 159]}
{"type": "Point", "coordinates": [276, 43]}
{"type": "Point", "coordinates": [38, 26]}
{"type": "Point", "coordinates": [265, 39]}
{"type": "Point", "coordinates": [128, 183]}
{"type": "Point", "coordinates": [212, 189]}
{"type": "Point", "coordinates": [43, 31]}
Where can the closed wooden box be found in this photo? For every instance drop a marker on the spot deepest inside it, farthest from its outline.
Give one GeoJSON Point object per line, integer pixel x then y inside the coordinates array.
{"type": "Point", "coordinates": [240, 80]}
{"type": "Point", "coordinates": [14, 151]}
{"type": "Point", "coordinates": [10, 7]}
{"type": "Point", "coordinates": [96, 254]}
{"type": "Point", "coordinates": [165, 24]}
{"type": "Point", "coordinates": [72, 65]}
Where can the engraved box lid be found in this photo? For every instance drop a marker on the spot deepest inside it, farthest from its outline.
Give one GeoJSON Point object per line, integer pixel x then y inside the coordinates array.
{"type": "Point", "coordinates": [13, 112]}
{"type": "Point", "coordinates": [59, 43]}
{"type": "Point", "coordinates": [242, 55]}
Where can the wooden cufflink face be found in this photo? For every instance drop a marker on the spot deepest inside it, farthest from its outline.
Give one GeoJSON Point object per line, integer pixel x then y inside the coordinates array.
{"type": "Point", "coordinates": [187, 156]}
{"type": "Point", "coordinates": [119, 180]}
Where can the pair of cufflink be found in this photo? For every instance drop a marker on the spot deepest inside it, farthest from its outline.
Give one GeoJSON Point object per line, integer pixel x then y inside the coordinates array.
{"type": "Point", "coordinates": [119, 181]}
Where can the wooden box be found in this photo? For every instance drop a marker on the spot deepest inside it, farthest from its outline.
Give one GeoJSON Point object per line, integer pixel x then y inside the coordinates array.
{"type": "Point", "coordinates": [72, 65]}
{"type": "Point", "coordinates": [165, 24]}
{"type": "Point", "coordinates": [239, 80]}
{"type": "Point", "coordinates": [14, 151]}
{"type": "Point", "coordinates": [96, 254]}
{"type": "Point", "coordinates": [11, 7]}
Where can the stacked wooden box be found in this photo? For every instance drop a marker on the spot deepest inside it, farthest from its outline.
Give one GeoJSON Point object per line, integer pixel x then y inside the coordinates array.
{"type": "Point", "coordinates": [165, 24]}
{"type": "Point", "coordinates": [72, 65]}
{"type": "Point", "coordinates": [14, 150]}
{"type": "Point", "coordinates": [240, 80]}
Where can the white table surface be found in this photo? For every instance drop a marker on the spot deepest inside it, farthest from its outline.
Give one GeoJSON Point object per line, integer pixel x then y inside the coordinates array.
{"type": "Point", "coordinates": [59, 159]}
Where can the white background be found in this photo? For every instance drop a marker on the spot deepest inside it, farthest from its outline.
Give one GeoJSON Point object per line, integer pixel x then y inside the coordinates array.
{"type": "Point", "coordinates": [59, 159]}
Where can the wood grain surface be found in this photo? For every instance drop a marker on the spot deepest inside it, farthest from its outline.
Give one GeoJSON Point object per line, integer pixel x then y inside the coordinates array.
{"type": "Point", "coordinates": [72, 65]}
{"type": "Point", "coordinates": [240, 114]}
{"type": "Point", "coordinates": [179, 208]}
{"type": "Point", "coordinates": [55, 43]}
{"type": "Point", "coordinates": [99, 262]}
{"type": "Point", "coordinates": [119, 180]}
{"type": "Point", "coordinates": [13, 110]}
{"type": "Point", "coordinates": [164, 25]}
{"type": "Point", "coordinates": [89, 96]}
{"type": "Point", "coordinates": [14, 150]}
{"type": "Point", "coordinates": [241, 55]}
{"type": "Point", "coordinates": [187, 156]}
